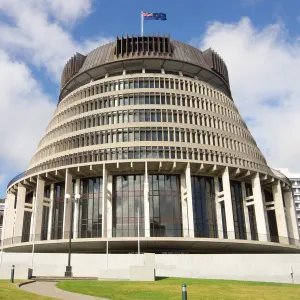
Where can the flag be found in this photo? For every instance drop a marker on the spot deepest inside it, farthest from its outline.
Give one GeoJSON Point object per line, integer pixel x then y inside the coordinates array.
{"type": "Point", "coordinates": [154, 16]}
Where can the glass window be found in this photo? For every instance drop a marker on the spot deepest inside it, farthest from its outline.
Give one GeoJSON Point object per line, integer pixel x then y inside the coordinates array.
{"type": "Point", "coordinates": [90, 208]}
{"type": "Point", "coordinates": [165, 206]}
{"type": "Point", "coordinates": [203, 195]}
{"type": "Point", "coordinates": [238, 210]}
{"type": "Point", "coordinates": [128, 203]}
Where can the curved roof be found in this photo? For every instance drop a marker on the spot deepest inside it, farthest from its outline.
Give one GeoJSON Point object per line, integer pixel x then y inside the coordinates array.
{"type": "Point", "coordinates": [155, 47]}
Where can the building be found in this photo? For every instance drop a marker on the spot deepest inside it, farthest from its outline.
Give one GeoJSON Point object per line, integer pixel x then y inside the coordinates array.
{"type": "Point", "coordinates": [2, 207]}
{"type": "Point", "coordinates": [295, 180]}
{"type": "Point", "coordinates": [147, 133]}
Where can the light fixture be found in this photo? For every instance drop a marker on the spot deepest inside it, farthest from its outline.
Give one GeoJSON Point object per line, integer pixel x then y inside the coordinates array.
{"type": "Point", "coordinates": [68, 196]}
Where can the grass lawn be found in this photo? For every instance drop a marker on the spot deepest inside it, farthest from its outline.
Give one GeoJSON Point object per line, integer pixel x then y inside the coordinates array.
{"type": "Point", "coordinates": [170, 288]}
{"type": "Point", "coordinates": [9, 291]}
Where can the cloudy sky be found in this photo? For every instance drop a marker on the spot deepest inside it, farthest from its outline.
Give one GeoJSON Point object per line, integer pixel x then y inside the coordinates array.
{"type": "Point", "coordinates": [258, 39]}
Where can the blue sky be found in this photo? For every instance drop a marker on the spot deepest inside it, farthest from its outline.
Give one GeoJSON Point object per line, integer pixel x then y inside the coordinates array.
{"type": "Point", "coordinates": [258, 39]}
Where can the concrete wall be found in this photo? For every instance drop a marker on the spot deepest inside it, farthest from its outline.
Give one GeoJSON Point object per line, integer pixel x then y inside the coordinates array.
{"type": "Point", "coordinates": [253, 267]}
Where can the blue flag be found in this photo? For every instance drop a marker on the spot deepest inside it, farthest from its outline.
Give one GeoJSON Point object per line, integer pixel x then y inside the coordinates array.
{"type": "Point", "coordinates": [154, 16]}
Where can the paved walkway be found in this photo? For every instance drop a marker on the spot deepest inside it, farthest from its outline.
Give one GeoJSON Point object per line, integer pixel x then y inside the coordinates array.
{"type": "Point", "coordinates": [49, 289]}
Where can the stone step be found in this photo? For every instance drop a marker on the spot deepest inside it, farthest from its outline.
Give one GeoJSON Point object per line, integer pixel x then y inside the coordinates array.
{"type": "Point", "coordinates": [57, 279]}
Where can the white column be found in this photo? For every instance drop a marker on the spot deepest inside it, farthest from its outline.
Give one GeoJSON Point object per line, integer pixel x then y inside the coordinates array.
{"type": "Point", "coordinates": [184, 206]}
{"type": "Point", "coordinates": [246, 213]}
{"type": "Point", "coordinates": [146, 202]}
{"type": "Point", "coordinates": [76, 210]}
{"type": "Point", "coordinates": [32, 220]}
{"type": "Point", "coordinates": [218, 209]}
{"type": "Point", "coordinates": [190, 211]}
{"type": "Point", "coordinates": [228, 204]}
{"type": "Point", "coordinates": [104, 202]}
{"type": "Point", "coordinates": [259, 209]}
{"type": "Point", "coordinates": [19, 213]}
{"type": "Point", "coordinates": [8, 220]}
{"type": "Point", "coordinates": [187, 203]}
{"type": "Point", "coordinates": [67, 205]}
{"type": "Point", "coordinates": [50, 212]}
{"type": "Point", "coordinates": [38, 210]}
{"type": "Point", "coordinates": [291, 217]}
{"type": "Point", "coordinates": [109, 204]}
{"type": "Point", "coordinates": [280, 213]}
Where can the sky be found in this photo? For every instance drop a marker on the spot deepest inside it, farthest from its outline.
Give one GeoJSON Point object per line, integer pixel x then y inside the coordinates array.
{"type": "Point", "coordinates": [258, 39]}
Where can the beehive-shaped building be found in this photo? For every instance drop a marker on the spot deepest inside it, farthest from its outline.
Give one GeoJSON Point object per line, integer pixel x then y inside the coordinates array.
{"type": "Point", "coordinates": [147, 133]}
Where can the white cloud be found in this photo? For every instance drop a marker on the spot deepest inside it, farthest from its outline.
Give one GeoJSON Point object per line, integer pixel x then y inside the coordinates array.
{"type": "Point", "coordinates": [33, 33]}
{"type": "Point", "coordinates": [69, 11]}
{"type": "Point", "coordinates": [264, 69]}
{"type": "Point", "coordinates": [24, 112]}
{"type": "Point", "coordinates": [40, 39]}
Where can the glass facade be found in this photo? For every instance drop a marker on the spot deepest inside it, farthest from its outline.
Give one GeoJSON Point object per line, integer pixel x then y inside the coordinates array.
{"type": "Point", "coordinates": [251, 213]}
{"type": "Point", "coordinates": [204, 207]}
{"type": "Point", "coordinates": [165, 205]}
{"type": "Point", "coordinates": [128, 202]}
{"type": "Point", "coordinates": [238, 210]}
{"type": "Point", "coordinates": [27, 219]}
{"type": "Point", "coordinates": [58, 211]}
{"type": "Point", "coordinates": [45, 215]}
{"type": "Point", "coordinates": [271, 218]}
{"type": "Point", "coordinates": [90, 208]}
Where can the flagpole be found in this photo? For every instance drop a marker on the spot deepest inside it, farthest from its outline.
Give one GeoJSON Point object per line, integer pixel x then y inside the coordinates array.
{"type": "Point", "coordinates": [142, 23]}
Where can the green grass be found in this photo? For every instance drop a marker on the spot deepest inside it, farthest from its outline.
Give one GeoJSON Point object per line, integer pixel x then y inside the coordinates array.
{"type": "Point", "coordinates": [9, 291]}
{"type": "Point", "coordinates": [170, 288]}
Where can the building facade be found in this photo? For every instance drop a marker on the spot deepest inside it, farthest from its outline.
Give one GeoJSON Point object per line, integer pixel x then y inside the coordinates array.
{"type": "Point", "coordinates": [147, 132]}
{"type": "Point", "coordinates": [295, 181]}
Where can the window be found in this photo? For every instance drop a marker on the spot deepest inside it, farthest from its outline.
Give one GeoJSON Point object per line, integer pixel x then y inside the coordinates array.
{"type": "Point", "coordinates": [128, 203]}
{"type": "Point", "coordinates": [165, 206]}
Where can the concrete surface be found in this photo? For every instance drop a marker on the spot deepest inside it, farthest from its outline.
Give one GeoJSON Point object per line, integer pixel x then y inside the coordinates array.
{"type": "Point", "coordinates": [49, 289]}
{"type": "Point", "coordinates": [253, 267]}
{"type": "Point", "coordinates": [142, 273]}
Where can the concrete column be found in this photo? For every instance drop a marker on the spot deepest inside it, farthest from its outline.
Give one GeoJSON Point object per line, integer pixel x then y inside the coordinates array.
{"type": "Point", "coordinates": [32, 220]}
{"type": "Point", "coordinates": [187, 203]}
{"type": "Point", "coordinates": [228, 204]}
{"type": "Point", "coordinates": [259, 209]}
{"type": "Point", "coordinates": [8, 220]}
{"type": "Point", "coordinates": [188, 181]}
{"type": "Point", "coordinates": [19, 213]}
{"type": "Point", "coordinates": [104, 202]}
{"type": "Point", "coordinates": [218, 209]}
{"type": "Point", "coordinates": [107, 230]}
{"type": "Point", "coordinates": [50, 212]}
{"type": "Point", "coordinates": [109, 204]}
{"type": "Point", "coordinates": [184, 206]}
{"type": "Point", "coordinates": [38, 208]}
{"type": "Point", "coordinates": [291, 217]}
{"type": "Point", "coordinates": [146, 202]}
{"type": "Point", "coordinates": [246, 213]}
{"type": "Point", "coordinates": [67, 205]}
{"type": "Point", "coordinates": [280, 213]}
{"type": "Point", "coordinates": [76, 210]}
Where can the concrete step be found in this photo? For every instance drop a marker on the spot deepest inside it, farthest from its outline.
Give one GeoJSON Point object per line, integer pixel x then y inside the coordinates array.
{"type": "Point", "coordinates": [58, 279]}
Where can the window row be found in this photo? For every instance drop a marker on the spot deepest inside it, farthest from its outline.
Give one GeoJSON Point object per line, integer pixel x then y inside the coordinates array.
{"type": "Point", "coordinates": [181, 84]}
{"type": "Point", "coordinates": [147, 98]}
{"type": "Point", "coordinates": [147, 115]}
{"type": "Point", "coordinates": [126, 153]}
{"type": "Point", "coordinates": [156, 134]}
